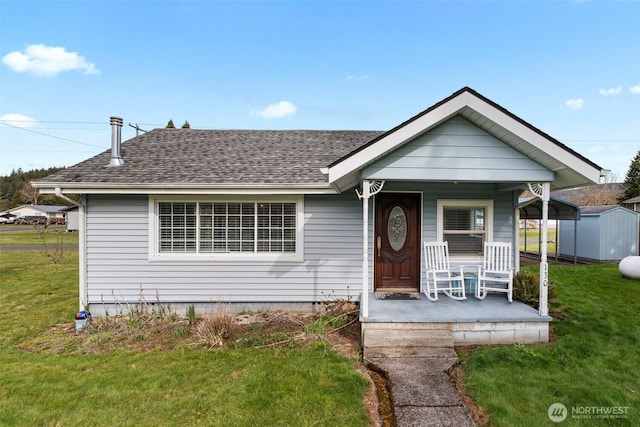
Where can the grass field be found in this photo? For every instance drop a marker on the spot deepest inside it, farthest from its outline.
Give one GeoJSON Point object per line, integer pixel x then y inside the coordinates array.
{"type": "Point", "coordinates": [592, 366]}
{"type": "Point", "coordinates": [298, 386]}
{"type": "Point", "coordinates": [18, 235]}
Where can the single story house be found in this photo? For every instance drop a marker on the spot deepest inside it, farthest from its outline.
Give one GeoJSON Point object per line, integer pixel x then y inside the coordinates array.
{"type": "Point", "coordinates": [291, 218]}
{"type": "Point", "coordinates": [48, 211]}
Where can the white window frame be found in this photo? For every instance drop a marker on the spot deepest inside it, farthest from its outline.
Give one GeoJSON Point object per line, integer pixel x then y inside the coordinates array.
{"type": "Point", "coordinates": [154, 224]}
{"type": "Point", "coordinates": [487, 204]}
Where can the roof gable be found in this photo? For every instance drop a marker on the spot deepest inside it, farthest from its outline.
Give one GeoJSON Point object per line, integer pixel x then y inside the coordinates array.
{"type": "Point", "coordinates": [570, 168]}
{"type": "Point", "coordinates": [457, 150]}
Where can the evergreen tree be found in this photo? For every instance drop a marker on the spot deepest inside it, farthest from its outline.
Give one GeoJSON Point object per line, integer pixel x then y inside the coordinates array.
{"type": "Point", "coordinates": [186, 125]}
{"type": "Point", "coordinates": [12, 188]}
{"type": "Point", "coordinates": [631, 184]}
{"type": "Point", "coordinates": [170, 124]}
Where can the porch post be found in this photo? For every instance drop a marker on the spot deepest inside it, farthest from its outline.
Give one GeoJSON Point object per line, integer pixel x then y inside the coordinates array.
{"type": "Point", "coordinates": [364, 301]}
{"type": "Point", "coordinates": [542, 191]}
{"type": "Point", "coordinates": [369, 188]}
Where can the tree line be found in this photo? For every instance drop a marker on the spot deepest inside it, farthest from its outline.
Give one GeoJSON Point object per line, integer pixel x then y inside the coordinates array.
{"type": "Point", "coordinates": [16, 189]}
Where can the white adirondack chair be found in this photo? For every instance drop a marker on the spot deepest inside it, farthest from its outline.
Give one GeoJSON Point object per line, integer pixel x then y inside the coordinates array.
{"type": "Point", "coordinates": [440, 277]}
{"type": "Point", "coordinates": [496, 272]}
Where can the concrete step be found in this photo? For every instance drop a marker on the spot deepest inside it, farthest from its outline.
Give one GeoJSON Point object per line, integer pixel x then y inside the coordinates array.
{"type": "Point", "coordinates": [430, 338]}
{"type": "Point", "coordinates": [406, 341]}
{"type": "Point", "coordinates": [408, 352]}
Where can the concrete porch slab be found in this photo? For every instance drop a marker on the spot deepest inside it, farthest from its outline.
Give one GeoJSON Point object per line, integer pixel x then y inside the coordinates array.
{"type": "Point", "coordinates": [494, 308]}
{"type": "Point", "coordinates": [493, 320]}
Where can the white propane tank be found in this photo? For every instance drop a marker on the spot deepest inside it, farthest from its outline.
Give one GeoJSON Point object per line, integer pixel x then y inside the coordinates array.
{"type": "Point", "coordinates": [630, 267]}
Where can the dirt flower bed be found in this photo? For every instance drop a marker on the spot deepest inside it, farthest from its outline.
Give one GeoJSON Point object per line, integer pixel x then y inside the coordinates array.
{"type": "Point", "coordinates": [150, 331]}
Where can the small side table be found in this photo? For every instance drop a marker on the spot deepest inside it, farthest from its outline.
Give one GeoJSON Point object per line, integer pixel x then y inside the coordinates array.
{"type": "Point", "coordinates": [471, 283]}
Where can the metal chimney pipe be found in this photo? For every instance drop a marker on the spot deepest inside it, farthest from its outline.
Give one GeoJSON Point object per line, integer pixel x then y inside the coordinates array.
{"type": "Point", "coordinates": [116, 142]}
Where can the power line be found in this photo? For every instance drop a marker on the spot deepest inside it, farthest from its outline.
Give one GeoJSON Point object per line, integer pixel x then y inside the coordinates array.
{"type": "Point", "coordinates": [105, 123]}
{"type": "Point", "coordinates": [53, 136]}
{"type": "Point", "coordinates": [137, 125]}
{"type": "Point", "coordinates": [45, 151]}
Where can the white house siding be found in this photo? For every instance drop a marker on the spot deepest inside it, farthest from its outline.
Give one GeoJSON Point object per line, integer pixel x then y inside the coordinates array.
{"type": "Point", "coordinates": [457, 150]}
{"type": "Point", "coordinates": [119, 270]}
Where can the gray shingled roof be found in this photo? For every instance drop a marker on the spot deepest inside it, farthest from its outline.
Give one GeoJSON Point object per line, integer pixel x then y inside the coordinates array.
{"type": "Point", "coordinates": [633, 200]}
{"type": "Point", "coordinates": [190, 156]}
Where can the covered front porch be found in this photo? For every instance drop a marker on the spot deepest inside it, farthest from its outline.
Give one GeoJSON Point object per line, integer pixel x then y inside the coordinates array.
{"type": "Point", "coordinates": [469, 322]}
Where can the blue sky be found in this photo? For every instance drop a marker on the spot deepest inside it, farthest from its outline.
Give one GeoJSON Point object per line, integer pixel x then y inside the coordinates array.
{"type": "Point", "coordinates": [570, 68]}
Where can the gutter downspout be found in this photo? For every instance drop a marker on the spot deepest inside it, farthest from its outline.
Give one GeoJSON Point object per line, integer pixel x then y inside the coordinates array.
{"type": "Point", "coordinates": [82, 248]}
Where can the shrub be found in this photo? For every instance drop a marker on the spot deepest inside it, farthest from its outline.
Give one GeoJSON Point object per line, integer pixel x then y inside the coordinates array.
{"type": "Point", "coordinates": [526, 289]}
{"type": "Point", "coordinates": [215, 328]}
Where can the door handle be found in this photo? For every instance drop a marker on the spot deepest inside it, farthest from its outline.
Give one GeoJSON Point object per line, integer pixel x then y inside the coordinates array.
{"type": "Point", "coordinates": [379, 244]}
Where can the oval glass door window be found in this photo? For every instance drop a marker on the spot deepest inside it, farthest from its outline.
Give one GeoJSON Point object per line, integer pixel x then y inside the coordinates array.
{"type": "Point", "coordinates": [397, 228]}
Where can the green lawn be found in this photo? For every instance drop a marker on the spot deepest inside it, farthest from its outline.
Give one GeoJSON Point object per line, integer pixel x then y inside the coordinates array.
{"type": "Point", "coordinates": [191, 386]}
{"type": "Point", "coordinates": [27, 235]}
{"type": "Point", "coordinates": [593, 364]}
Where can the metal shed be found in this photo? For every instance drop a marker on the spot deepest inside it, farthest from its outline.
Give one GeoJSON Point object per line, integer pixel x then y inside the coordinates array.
{"type": "Point", "coordinates": [531, 208]}
{"type": "Point", "coordinates": [604, 234]}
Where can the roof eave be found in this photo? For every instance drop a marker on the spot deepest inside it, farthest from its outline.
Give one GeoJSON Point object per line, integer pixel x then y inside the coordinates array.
{"type": "Point", "coordinates": [182, 188]}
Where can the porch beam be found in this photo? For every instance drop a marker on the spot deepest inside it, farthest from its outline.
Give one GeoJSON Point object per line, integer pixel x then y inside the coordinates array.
{"type": "Point", "coordinates": [543, 191]}
{"type": "Point", "coordinates": [369, 188]}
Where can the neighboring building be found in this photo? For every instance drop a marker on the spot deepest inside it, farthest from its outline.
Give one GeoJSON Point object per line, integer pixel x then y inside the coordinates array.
{"type": "Point", "coordinates": [48, 211]}
{"type": "Point", "coordinates": [633, 204]}
{"type": "Point", "coordinates": [603, 233]}
{"type": "Point", "coordinates": [266, 219]}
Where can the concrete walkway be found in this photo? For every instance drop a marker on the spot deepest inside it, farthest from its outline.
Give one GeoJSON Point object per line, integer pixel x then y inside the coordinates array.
{"type": "Point", "coordinates": [421, 391]}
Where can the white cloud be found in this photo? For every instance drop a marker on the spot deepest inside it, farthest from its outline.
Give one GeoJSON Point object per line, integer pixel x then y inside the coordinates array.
{"type": "Point", "coordinates": [18, 120]}
{"type": "Point", "coordinates": [575, 103]}
{"type": "Point", "coordinates": [635, 89]}
{"type": "Point", "coordinates": [42, 60]}
{"type": "Point", "coordinates": [276, 111]}
{"type": "Point", "coordinates": [612, 91]}
{"type": "Point", "coordinates": [360, 77]}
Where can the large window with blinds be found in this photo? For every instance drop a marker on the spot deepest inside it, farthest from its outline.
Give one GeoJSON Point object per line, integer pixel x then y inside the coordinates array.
{"type": "Point", "coordinates": [465, 225]}
{"type": "Point", "coordinates": [228, 228]}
